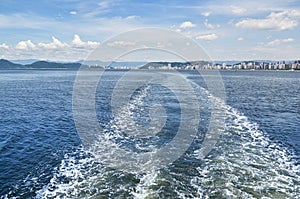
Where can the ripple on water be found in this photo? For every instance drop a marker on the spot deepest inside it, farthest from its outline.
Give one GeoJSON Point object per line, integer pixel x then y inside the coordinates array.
{"type": "Point", "coordinates": [245, 163]}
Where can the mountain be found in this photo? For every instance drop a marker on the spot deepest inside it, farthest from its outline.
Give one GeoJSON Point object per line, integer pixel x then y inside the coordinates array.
{"type": "Point", "coordinates": [5, 64]}
{"type": "Point", "coordinates": [8, 65]}
{"type": "Point", "coordinates": [24, 61]}
{"type": "Point", "coordinates": [52, 65]}
{"type": "Point", "coordinates": [234, 62]}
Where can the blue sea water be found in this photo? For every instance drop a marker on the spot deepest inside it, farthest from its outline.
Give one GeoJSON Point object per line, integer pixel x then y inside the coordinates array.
{"type": "Point", "coordinates": [257, 155]}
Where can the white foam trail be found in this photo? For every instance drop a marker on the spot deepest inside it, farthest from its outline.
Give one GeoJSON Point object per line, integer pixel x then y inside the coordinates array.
{"type": "Point", "coordinates": [245, 163]}
{"type": "Point", "coordinates": [142, 189]}
{"type": "Point", "coordinates": [68, 178]}
{"type": "Point", "coordinates": [74, 177]}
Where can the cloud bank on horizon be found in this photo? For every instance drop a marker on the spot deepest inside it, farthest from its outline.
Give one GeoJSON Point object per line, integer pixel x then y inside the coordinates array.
{"type": "Point", "coordinates": [69, 30]}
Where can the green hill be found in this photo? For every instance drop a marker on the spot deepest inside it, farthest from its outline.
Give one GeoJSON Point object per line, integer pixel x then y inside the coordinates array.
{"type": "Point", "coordinates": [7, 65]}
{"type": "Point", "coordinates": [52, 65]}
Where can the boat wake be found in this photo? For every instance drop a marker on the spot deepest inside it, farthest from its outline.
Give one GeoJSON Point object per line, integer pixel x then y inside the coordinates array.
{"type": "Point", "coordinates": [244, 162]}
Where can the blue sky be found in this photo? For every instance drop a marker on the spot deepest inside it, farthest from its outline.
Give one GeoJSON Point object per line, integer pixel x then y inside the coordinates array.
{"type": "Point", "coordinates": [69, 30]}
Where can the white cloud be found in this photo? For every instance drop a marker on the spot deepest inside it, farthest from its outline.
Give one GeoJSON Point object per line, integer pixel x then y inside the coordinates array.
{"type": "Point", "coordinates": [55, 50]}
{"type": "Point", "coordinates": [187, 24]}
{"type": "Point", "coordinates": [275, 21]}
{"type": "Point", "coordinates": [207, 37]}
{"type": "Point", "coordinates": [131, 17]}
{"type": "Point", "coordinates": [4, 46]}
{"type": "Point", "coordinates": [237, 10]}
{"type": "Point", "coordinates": [120, 44]}
{"type": "Point", "coordinates": [208, 25]}
{"type": "Point", "coordinates": [294, 13]}
{"type": "Point", "coordinates": [279, 41]}
{"type": "Point", "coordinates": [240, 39]}
{"type": "Point", "coordinates": [25, 45]}
{"type": "Point", "coordinates": [94, 9]}
{"type": "Point", "coordinates": [103, 4]}
{"type": "Point", "coordinates": [77, 42]}
{"type": "Point", "coordinates": [98, 27]}
{"type": "Point", "coordinates": [54, 44]}
{"type": "Point", "coordinates": [73, 12]}
{"type": "Point", "coordinates": [205, 14]}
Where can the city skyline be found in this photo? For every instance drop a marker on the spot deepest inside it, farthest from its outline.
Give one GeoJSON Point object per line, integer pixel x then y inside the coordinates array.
{"type": "Point", "coordinates": [227, 30]}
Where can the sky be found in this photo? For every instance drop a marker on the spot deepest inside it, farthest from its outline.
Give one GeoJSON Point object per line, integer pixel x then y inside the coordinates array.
{"type": "Point", "coordinates": [69, 30]}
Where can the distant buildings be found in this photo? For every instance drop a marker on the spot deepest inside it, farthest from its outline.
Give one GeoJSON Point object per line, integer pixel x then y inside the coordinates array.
{"type": "Point", "coordinates": [295, 65]}
{"type": "Point", "coordinates": [246, 65]}
{"type": "Point", "coordinates": [205, 65]}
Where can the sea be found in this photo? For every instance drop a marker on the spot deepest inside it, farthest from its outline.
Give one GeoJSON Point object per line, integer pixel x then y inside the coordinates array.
{"type": "Point", "coordinates": [255, 153]}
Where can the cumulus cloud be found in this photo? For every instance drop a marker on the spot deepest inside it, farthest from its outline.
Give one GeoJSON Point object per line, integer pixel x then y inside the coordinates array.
{"type": "Point", "coordinates": [240, 39]}
{"type": "Point", "coordinates": [279, 41]}
{"type": "Point", "coordinates": [187, 24]}
{"type": "Point", "coordinates": [73, 12]}
{"type": "Point", "coordinates": [275, 21]}
{"type": "Point", "coordinates": [4, 46]}
{"type": "Point", "coordinates": [54, 50]}
{"type": "Point", "coordinates": [25, 45]}
{"type": "Point", "coordinates": [54, 44]}
{"type": "Point", "coordinates": [207, 37]}
{"type": "Point", "coordinates": [294, 13]}
{"type": "Point", "coordinates": [77, 42]}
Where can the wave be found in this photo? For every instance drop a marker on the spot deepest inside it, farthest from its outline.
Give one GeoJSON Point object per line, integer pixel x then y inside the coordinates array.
{"type": "Point", "coordinates": [247, 164]}
{"type": "Point", "coordinates": [244, 163]}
